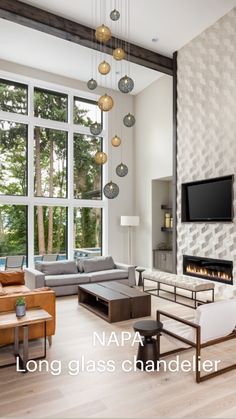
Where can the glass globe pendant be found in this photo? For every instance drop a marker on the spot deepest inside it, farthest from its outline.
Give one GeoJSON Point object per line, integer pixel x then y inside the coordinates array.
{"type": "Point", "coordinates": [104, 68]}
{"type": "Point", "coordinates": [126, 84]}
{"type": "Point", "coordinates": [115, 15]}
{"type": "Point", "coordinates": [122, 170]}
{"type": "Point", "coordinates": [103, 33]}
{"type": "Point", "coordinates": [95, 128]}
{"type": "Point", "coordinates": [118, 54]}
{"type": "Point", "coordinates": [129, 120]}
{"type": "Point", "coordinates": [105, 103]}
{"type": "Point", "coordinates": [111, 190]}
{"type": "Point", "coordinates": [116, 141]}
{"type": "Point", "coordinates": [92, 84]}
{"type": "Point", "coordinates": [100, 157]}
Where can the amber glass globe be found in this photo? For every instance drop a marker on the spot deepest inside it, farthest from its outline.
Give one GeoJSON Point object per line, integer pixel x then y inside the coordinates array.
{"type": "Point", "coordinates": [105, 103]}
{"type": "Point", "coordinates": [116, 141]}
{"type": "Point", "coordinates": [103, 33]}
{"type": "Point", "coordinates": [104, 68]}
{"type": "Point", "coordinates": [118, 54]}
{"type": "Point", "coordinates": [100, 157]}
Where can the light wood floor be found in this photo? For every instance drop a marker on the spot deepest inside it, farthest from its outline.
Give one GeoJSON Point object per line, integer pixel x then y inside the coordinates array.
{"type": "Point", "coordinates": [119, 394]}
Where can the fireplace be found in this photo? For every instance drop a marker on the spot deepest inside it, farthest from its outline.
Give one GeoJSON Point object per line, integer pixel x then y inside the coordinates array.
{"type": "Point", "coordinates": [212, 269]}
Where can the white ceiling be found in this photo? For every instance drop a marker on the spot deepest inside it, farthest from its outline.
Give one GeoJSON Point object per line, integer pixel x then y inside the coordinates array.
{"type": "Point", "coordinates": [174, 22]}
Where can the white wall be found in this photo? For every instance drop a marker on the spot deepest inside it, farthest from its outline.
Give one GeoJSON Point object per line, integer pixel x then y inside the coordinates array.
{"type": "Point", "coordinates": [207, 133]}
{"type": "Point", "coordinates": [123, 204]}
{"type": "Point", "coordinates": [153, 157]}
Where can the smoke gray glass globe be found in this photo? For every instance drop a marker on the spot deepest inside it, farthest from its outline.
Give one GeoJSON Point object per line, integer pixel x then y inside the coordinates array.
{"type": "Point", "coordinates": [126, 84]}
{"type": "Point", "coordinates": [115, 15]}
{"type": "Point", "coordinates": [129, 120]}
{"type": "Point", "coordinates": [122, 170]}
{"type": "Point", "coordinates": [92, 84]}
{"type": "Point", "coordinates": [111, 190]}
{"type": "Point", "coordinates": [95, 128]}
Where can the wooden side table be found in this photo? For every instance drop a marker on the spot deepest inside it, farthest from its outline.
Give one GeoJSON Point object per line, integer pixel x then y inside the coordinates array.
{"type": "Point", "coordinates": [140, 278]}
{"type": "Point", "coordinates": [9, 320]}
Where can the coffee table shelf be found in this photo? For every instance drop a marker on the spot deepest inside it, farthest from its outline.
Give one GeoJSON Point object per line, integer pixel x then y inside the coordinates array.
{"type": "Point", "coordinates": [113, 301]}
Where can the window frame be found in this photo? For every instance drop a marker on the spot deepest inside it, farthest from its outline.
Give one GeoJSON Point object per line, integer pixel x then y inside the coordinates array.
{"type": "Point", "coordinates": [69, 202]}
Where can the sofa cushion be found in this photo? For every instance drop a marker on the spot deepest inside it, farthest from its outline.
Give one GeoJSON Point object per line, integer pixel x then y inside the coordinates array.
{"type": "Point", "coordinates": [101, 263]}
{"type": "Point", "coordinates": [60, 280]}
{"type": "Point", "coordinates": [108, 275]}
{"type": "Point", "coordinates": [16, 289]}
{"type": "Point", "coordinates": [12, 278]}
{"type": "Point", "coordinates": [57, 268]}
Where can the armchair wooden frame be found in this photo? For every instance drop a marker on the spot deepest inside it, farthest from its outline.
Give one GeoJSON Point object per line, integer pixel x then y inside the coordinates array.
{"type": "Point", "coordinates": [197, 345]}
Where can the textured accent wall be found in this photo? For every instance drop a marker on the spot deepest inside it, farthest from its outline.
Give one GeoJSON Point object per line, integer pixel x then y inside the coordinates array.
{"type": "Point", "coordinates": [207, 132]}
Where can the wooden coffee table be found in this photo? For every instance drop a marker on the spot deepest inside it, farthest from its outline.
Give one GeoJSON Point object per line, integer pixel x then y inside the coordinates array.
{"type": "Point", "coordinates": [9, 320]}
{"type": "Point", "coordinates": [114, 301]}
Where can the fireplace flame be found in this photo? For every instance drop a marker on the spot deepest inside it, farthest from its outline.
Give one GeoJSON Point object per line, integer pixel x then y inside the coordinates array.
{"type": "Point", "coordinates": [207, 272]}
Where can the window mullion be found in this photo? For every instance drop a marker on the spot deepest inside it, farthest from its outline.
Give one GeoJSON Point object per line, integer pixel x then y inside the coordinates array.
{"type": "Point", "coordinates": [70, 180]}
{"type": "Point", "coordinates": [30, 154]}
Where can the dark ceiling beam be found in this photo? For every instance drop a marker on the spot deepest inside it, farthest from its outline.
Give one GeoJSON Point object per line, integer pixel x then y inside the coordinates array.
{"type": "Point", "coordinates": [41, 20]}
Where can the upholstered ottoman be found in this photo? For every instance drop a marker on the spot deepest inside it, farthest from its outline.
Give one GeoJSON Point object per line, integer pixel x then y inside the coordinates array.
{"type": "Point", "coordinates": [184, 282]}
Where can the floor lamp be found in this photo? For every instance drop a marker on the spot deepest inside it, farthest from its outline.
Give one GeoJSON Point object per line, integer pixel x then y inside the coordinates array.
{"type": "Point", "coordinates": [129, 221]}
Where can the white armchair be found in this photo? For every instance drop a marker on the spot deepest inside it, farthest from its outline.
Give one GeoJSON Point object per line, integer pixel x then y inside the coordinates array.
{"type": "Point", "coordinates": [212, 324]}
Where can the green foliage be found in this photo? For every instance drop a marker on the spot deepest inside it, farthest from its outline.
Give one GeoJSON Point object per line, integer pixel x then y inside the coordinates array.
{"type": "Point", "coordinates": [13, 139]}
{"type": "Point", "coordinates": [20, 301]}
{"type": "Point", "coordinates": [13, 97]}
{"type": "Point", "coordinates": [12, 230]}
{"type": "Point", "coordinates": [50, 105]}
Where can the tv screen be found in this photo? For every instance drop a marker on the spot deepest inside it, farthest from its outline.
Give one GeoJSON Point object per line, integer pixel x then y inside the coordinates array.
{"type": "Point", "coordinates": [209, 200]}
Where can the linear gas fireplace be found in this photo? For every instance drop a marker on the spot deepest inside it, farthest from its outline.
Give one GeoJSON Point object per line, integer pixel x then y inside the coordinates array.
{"type": "Point", "coordinates": [212, 269]}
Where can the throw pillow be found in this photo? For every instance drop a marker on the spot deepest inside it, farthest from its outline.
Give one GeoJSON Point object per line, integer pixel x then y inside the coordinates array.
{"type": "Point", "coordinates": [102, 263]}
{"type": "Point", "coordinates": [12, 278]}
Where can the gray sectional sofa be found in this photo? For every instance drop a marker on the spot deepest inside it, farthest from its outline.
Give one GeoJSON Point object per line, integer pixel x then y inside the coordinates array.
{"type": "Point", "coordinates": [63, 277]}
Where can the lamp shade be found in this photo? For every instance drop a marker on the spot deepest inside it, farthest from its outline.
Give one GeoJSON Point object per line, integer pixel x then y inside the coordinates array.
{"type": "Point", "coordinates": [129, 220]}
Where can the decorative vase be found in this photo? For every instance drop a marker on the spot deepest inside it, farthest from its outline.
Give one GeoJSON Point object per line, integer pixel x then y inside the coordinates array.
{"type": "Point", "coordinates": [20, 310]}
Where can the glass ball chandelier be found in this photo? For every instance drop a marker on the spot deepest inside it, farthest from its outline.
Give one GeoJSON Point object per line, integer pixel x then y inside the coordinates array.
{"type": "Point", "coordinates": [118, 54]}
{"type": "Point", "coordinates": [92, 84]}
{"type": "Point", "coordinates": [122, 170]}
{"type": "Point", "coordinates": [95, 128]}
{"type": "Point", "coordinates": [104, 68]}
{"type": "Point", "coordinates": [126, 84]}
{"type": "Point", "coordinates": [103, 33]}
{"type": "Point", "coordinates": [129, 120]}
{"type": "Point", "coordinates": [116, 141]}
{"type": "Point", "coordinates": [115, 15]}
{"type": "Point", "coordinates": [111, 190]}
{"type": "Point", "coordinates": [100, 157]}
{"type": "Point", "coordinates": [105, 103]}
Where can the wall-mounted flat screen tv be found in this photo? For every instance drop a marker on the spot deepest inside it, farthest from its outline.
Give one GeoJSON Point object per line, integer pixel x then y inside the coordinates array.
{"type": "Point", "coordinates": [208, 200]}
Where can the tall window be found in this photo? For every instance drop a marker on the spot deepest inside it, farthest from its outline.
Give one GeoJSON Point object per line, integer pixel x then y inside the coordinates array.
{"type": "Point", "coordinates": [48, 163]}
{"type": "Point", "coordinates": [13, 158]}
{"type": "Point", "coordinates": [50, 154]}
{"type": "Point", "coordinates": [13, 231]}
{"type": "Point", "coordinates": [88, 232]}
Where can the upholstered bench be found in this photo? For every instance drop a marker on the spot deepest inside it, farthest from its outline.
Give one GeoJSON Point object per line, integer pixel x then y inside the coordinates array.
{"type": "Point", "coordinates": [184, 282]}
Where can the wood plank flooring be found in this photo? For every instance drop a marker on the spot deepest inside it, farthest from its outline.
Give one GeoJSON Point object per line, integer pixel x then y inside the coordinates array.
{"type": "Point", "coordinates": [119, 394]}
